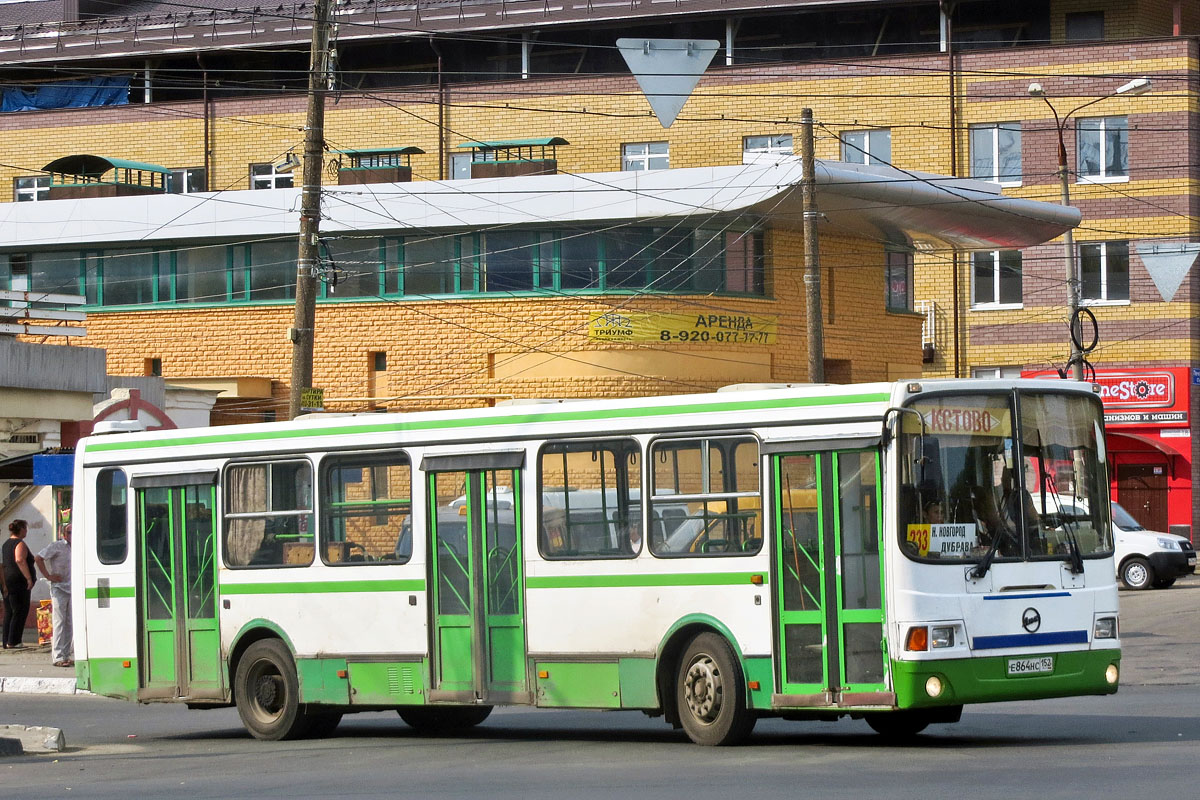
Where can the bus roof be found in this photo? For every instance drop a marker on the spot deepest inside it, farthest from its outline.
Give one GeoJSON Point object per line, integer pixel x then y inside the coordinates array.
{"type": "Point", "coordinates": [804, 405]}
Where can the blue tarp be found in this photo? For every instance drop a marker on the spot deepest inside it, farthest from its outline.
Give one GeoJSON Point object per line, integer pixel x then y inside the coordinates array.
{"type": "Point", "coordinates": [53, 469]}
{"type": "Point", "coordinates": [67, 94]}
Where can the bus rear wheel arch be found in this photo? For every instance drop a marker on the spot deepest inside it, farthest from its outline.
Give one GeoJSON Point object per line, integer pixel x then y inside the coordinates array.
{"type": "Point", "coordinates": [266, 691]}
{"type": "Point", "coordinates": [710, 693]}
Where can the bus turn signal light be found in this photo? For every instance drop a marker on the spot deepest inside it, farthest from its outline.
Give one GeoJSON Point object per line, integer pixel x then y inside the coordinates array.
{"type": "Point", "coordinates": [757, 580]}
{"type": "Point", "coordinates": [917, 639]}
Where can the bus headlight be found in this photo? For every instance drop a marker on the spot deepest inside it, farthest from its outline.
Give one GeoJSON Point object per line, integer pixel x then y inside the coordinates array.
{"type": "Point", "coordinates": [1111, 674]}
{"type": "Point", "coordinates": [934, 687]}
{"type": "Point", "coordinates": [942, 636]}
{"type": "Point", "coordinates": [1106, 628]}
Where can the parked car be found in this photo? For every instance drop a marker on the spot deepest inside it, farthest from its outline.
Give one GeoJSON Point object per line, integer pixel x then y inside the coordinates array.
{"type": "Point", "coordinates": [1145, 559]}
{"type": "Point", "coordinates": [1149, 559]}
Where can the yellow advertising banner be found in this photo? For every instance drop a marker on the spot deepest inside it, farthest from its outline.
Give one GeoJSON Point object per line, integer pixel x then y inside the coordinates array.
{"type": "Point", "coordinates": [637, 326]}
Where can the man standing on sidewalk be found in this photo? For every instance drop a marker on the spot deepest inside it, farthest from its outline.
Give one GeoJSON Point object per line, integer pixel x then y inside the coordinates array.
{"type": "Point", "coordinates": [54, 562]}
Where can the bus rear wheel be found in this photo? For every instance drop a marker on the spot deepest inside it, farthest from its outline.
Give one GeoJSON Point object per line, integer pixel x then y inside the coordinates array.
{"type": "Point", "coordinates": [267, 692]}
{"type": "Point", "coordinates": [710, 693]}
{"type": "Point", "coordinates": [443, 719]}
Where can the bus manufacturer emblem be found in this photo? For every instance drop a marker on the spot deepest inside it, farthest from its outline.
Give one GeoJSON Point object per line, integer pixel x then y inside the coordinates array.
{"type": "Point", "coordinates": [1031, 620]}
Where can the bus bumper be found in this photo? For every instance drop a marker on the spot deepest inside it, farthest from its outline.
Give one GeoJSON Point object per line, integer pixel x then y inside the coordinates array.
{"type": "Point", "coordinates": [987, 679]}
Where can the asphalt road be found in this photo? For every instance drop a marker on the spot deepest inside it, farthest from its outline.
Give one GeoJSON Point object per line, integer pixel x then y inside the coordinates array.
{"type": "Point", "coordinates": [1144, 741]}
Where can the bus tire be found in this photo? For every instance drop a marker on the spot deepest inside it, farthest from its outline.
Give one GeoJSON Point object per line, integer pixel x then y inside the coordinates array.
{"type": "Point", "coordinates": [898, 724]}
{"type": "Point", "coordinates": [267, 692]}
{"type": "Point", "coordinates": [1137, 574]}
{"type": "Point", "coordinates": [322, 723]}
{"type": "Point", "coordinates": [710, 693]}
{"type": "Point", "coordinates": [440, 720]}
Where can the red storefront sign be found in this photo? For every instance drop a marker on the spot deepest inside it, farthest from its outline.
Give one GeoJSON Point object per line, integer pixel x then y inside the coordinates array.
{"type": "Point", "coordinates": [1140, 397]}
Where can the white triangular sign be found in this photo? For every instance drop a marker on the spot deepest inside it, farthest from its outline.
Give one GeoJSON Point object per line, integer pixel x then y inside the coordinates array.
{"type": "Point", "coordinates": [667, 70]}
{"type": "Point", "coordinates": [1168, 264]}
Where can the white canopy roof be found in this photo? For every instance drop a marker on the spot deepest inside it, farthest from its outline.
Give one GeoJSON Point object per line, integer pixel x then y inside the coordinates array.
{"type": "Point", "coordinates": [877, 202]}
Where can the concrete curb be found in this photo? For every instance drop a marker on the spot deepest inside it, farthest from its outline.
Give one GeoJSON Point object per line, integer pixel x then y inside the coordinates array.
{"type": "Point", "coordinates": [40, 686]}
{"type": "Point", "coordinates": [34, 738]}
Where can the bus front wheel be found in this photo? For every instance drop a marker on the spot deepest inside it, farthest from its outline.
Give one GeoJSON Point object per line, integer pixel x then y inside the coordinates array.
{"type": "Point", "coordinates": [710, 693]}
{"type": "Point", "coordinates": [898, 724]}
{"type": "Point", "coordinates": [267, 692]}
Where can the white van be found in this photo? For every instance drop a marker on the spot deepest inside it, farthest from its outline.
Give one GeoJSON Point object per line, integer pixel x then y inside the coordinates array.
{"type": "Point", "coordinates": [1148, 559]}
{"type": "Point", "coordinates": [1145, 559]}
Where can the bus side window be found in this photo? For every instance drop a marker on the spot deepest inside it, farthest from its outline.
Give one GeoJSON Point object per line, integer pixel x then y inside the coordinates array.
{"type": "Point", "coordinates": [112, 516]}
{"type": "Point", "coordinates": [268, 514]}
{"type": "Point", "coordinates": [590, 499]}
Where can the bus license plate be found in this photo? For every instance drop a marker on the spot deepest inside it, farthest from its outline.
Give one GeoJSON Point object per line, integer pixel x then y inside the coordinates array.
{"type": "Point", "coordinates": [1030, 666]}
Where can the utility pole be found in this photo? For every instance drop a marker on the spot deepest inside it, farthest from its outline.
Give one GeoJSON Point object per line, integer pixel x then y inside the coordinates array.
{"type": "Point", "coordinates": [812, 265]}
{"type": "Point", "coordinates": [308, 259]}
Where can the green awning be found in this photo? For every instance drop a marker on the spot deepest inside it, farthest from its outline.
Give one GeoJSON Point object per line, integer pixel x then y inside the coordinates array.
{"type": "Point", "coordinates": [374, 151]}
{"type": "Point", "coordinates": [95, 166]}
{"type": "Point", "coordinates": [551, 141]}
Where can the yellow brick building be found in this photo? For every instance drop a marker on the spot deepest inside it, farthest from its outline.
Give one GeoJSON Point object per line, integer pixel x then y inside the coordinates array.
{"type": "Point", "coordinates": [905, 85]}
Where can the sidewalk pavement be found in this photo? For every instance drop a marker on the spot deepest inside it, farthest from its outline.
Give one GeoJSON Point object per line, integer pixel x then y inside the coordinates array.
{"type": "Point", "coordinates": [32, 671]}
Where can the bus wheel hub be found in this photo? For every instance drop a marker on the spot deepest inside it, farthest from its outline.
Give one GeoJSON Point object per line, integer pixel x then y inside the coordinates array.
{"type": "Point", "coordinates": [702, 689]}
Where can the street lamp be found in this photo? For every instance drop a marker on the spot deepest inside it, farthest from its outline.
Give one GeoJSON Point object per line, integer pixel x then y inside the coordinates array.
{"type": "Point", "coordinates": [1134, 87]}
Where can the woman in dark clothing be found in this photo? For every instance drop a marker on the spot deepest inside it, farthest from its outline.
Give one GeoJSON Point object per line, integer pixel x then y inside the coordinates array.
{"type": "Point", "coordinates": [16, 581]}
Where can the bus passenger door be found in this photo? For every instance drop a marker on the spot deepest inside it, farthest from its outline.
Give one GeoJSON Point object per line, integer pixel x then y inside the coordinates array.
{"type": "Point", "coordinates": [180, 643]}
{"type": "Point", "coordinates": [478, 604]}
{"type": "Point", "coordinates": [830, 580]}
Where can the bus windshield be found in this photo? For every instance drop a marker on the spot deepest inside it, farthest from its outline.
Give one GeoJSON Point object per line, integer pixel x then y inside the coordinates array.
{"type": "Point", "coordinates": [972, 482]}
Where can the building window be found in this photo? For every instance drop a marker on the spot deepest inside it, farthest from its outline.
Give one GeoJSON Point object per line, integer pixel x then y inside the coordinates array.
{"type": "Point", "coordinates": [996, 153]}
{"type": "Point", "coordinates": [265, 176]}
{"type": "Point", "coordinates": [995, 372]}
{"type": "Point", "coordinates": [152, 366]}
{"type": "Point", "coordinates": [996, 278]}
{"type": "Point", "coordinates": [34, 187]}
{"type": "Point", "coordinates": [867, 147]}
{"type": "Point", "coordinates": [776, 143]}
{"type": "Point", "coordinates": [898, 277]}
{"type": "Point", "coordinates": [1102, 148]}
{"type": "Point", "coordinates": [1104, 271]}
{"type": "Point", "coordinates": [188, 180]}
{"type": "Point", "coordinates": [1085, 26]}
{"type": "Point", "coordinates": [641, 156]}
{"type": "Point", "coordinates": [460, 166]}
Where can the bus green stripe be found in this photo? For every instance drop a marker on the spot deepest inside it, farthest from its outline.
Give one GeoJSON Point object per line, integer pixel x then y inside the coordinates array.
{"type": "Point", "coordinates": [624, 581]}
{"type": "Point", "coordinates": [516, 419]}
{"type": "Point", "coordinates": [324, 587]}
{"type": "Point", "coordinates": [93, 592]}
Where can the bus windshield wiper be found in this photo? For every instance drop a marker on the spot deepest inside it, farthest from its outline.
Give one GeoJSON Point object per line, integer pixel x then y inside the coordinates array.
{"type": "Point", "coordinates": [1074, 555]}
{"type": "Point", "coordinates": [985, 563]}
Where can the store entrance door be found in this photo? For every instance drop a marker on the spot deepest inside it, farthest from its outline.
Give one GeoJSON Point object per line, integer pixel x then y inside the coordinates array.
{"type": "Point", "coordinates": [1142, 491]}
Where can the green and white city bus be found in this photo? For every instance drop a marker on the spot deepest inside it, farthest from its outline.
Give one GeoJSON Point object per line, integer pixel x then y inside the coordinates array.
{"type": "Point", "coordinates": [889, 552]}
